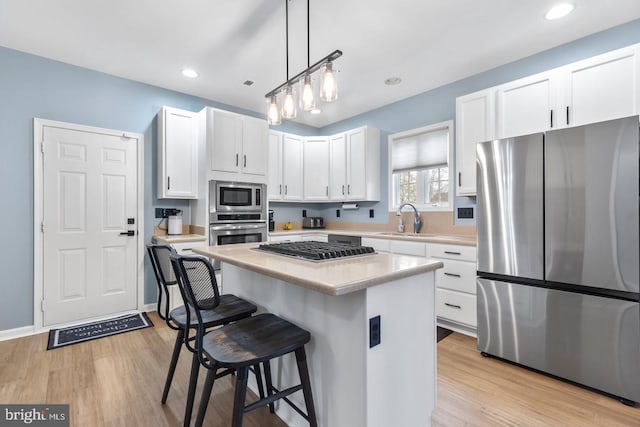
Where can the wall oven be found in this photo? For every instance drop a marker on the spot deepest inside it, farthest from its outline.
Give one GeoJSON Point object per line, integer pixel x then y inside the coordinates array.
{"type": "Point", "coordinates": [237, 213]}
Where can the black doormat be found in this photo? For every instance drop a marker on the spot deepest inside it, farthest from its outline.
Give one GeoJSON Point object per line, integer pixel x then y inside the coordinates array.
{"type": "Point", "coordinates": [443, 333]}
{"type": "Point", "coordinates": [91, 331]}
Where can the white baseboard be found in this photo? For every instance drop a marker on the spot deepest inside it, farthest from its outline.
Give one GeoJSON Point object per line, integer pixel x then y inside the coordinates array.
{"type": "Point", "coordinates": [10, 334]}
{"type": "Point", "coordinates": [149, 307]}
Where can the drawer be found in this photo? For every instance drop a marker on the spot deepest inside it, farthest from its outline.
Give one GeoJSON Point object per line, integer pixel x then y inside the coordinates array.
{"type": "Point", "coordinates": [186, 247]}
{"type": "Point", "coordinates": [461, 253]}
{"type": "Point", "coordinates": [315, 237]}
{"type": "Point", "coordinates": [408, 248]}
{"type": "Point", "coordinates": [457, 276]}
{"type": "Point", "coordinates": [380, 245]}
{"type": "Point", "coordinates": [456, 307]}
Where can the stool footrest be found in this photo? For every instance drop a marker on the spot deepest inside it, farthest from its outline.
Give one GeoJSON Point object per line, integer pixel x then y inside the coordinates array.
{"type": "Point", "coordinates": [276, 396]}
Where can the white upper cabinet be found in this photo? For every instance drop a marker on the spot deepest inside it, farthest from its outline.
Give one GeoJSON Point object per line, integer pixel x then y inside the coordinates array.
{"type": "Point", "coordinates": [291, 167]}
{"type": "Point", "coordinates": [528, 105]}
{"type": "Point", "coordinates": [316, 168]}
{"type": "Point", "coordinates": [274, 174]}
{"type": "Point", "coordinates": [602, 88]}
{"type": "Point", "coordinates": [355, 165]}
{"type": "Point", "coordinates": [342, 167]}
{"type": "Point", "coordinates": [474, 123]}
{"type": "Point", "coordinates": [338, 167]}
{"type": "Point", "coordinates": [237, 145]}
{"type": "Point", "coordinates": [177, 154]}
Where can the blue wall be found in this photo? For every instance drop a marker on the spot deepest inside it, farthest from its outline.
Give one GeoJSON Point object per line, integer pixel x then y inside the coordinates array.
{"type": "Point", "coordinates": [438, 105]}
{"type": "Point", "coordinates": [32, 86]}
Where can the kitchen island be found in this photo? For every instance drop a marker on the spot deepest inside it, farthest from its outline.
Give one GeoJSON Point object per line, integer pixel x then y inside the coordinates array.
{"type": "Point", "coordinates": [391, 383]}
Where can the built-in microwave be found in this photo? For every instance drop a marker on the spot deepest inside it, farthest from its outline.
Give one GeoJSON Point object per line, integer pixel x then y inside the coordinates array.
{"type": "Point", "coordinates": [233, 198]}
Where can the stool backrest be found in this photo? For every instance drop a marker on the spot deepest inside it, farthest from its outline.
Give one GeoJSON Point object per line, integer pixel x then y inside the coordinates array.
{"type": "Point", "coordinates": [198, 281]}
{"type": "Point", "coordinates": [165, 276]}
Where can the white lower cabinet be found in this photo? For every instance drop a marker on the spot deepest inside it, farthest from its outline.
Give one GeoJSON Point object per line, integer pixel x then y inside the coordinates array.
{"type": "Point", "coordinates": [379, 245]}
{"type": "Point", "coordinates": [456, 286]}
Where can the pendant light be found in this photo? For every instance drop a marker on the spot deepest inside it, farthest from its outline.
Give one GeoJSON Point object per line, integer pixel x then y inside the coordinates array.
{"type": "Point", "coordinates": [273, 115]}
{"type": "Point", "coordinates": [304, 81]}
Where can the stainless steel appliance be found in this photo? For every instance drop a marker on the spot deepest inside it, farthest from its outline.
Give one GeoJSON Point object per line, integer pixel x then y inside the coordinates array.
{"type": "Point", "coordinates": [237, 213]}
{"type": "Point", "coordinates": [559, 251]}
{"type": "Point", "coordinates": [317, 251]}
{"type": "Point", "coordinates": [313, 222]}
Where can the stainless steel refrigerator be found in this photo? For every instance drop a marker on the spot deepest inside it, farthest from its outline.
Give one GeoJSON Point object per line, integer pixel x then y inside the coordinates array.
{"type": "Point", "coordinates": [559, 253]}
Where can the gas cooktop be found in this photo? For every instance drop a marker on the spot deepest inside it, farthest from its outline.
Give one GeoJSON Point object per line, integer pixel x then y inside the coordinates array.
{"type": "Point", "coordinates": [316, 251]}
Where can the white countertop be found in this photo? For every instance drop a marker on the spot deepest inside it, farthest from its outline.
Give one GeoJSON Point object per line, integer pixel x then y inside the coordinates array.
{"type": "Point", "coordinates": [333, 277]}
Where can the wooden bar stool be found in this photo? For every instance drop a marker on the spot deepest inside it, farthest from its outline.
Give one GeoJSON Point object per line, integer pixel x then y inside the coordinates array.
{"type": "Point", "coordinates": [227, 308]}
{"type": "Point", "coordinates": [241, 345]}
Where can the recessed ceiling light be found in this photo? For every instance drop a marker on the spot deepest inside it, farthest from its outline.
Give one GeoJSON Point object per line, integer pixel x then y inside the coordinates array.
{"type": "Point", "coordinates": [559, 11]}
{"type": "Point", "coordinates": [188, 72]}
{"type": "Point", "coordinates": [315, 111]}
{"type": "Point", "coordinates": [391, 81]}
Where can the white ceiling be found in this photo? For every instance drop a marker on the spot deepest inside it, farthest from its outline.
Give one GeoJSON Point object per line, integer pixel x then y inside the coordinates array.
{"type": "Point", "coordinates": [428, 43]}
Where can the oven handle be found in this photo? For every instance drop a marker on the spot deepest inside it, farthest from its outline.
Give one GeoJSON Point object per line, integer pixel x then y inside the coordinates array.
{"type": "Point", "coordinates": [243, 226]}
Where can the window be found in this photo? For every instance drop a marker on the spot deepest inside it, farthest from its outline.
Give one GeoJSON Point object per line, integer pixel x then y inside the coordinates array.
{"type": "Point", "coordinates": [419, 167]}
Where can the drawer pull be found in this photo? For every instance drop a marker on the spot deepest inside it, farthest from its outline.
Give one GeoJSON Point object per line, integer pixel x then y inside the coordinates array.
{"type": "Point", "coordinates": [452, 305]}
{"type": "Point", "coordinates": [452, 253]}
{"type": "Point", "coordinates": [451, 274]}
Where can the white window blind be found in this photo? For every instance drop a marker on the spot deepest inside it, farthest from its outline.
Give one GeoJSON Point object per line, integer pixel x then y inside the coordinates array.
{"type": "Point", "coordinates": [420, 151]}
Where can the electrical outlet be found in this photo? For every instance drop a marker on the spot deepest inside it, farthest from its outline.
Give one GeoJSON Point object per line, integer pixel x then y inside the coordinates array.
{"type": "Point", "coordinates": [166, 212]}
{"type": "Point", "coordinates": [370, 213]}
{"type": "Point", "coordinates": [304, 213]}
{"type": "Point", "coordinates": [374, 331]}
{"type": "Point", "coordinates": [338, 213]}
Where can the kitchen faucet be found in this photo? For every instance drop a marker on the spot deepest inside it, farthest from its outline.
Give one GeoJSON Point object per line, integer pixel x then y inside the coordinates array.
{"type": "Point", "coordinates": [416, 216]}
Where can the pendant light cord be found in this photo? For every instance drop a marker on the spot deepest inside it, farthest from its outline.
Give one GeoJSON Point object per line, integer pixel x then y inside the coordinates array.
{"type": "Point", "coordinates": [286, 8]}
{"type": "Point", "coordinates": [308, 38]}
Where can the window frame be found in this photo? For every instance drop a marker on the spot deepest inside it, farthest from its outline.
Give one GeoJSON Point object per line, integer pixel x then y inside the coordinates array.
{"type": "Point", "coordinates": [420, 181]}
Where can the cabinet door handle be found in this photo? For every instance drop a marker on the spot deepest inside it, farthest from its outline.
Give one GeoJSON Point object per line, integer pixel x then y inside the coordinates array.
{"type": "Point", "coordinates": [451, 274]}
{"type": "Point", "coordinates": [280, 191]}
{"type": "Point", "coordinates": [348, 188]}
{"type": "Point", "coordinates": [327, 190]}
{"type": "Point", "coordinates": [452, 305]}
{"type": "Point", "coordinates": [236, 159]}
{"type": "Point", "coordinates": [459, 179]}
{"type": "Point", "coordinates": [343, 190]}
{"type": "Point", "coordinates": [452, 253]}
{"type": "Point", "coordinates": [551, 119]}
{"type": "Point", "coordinates": [285, 189]}
{"type": "Point", "coordinates": [168, 183]}
{"type": "Point", "coordinates": [567, 114]}
{"type": "Point", "coordinates": [245, 161]}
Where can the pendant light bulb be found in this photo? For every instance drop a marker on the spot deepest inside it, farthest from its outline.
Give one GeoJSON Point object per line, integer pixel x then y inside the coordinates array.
{"type": "Point", "coordinates": [273, 112]}
{"type": "Point", "coordinates": [329, 85]}
{"type": "Point", "coordinates": [307, 98]}
{"type": "Point", "coordinates": [289, 110]}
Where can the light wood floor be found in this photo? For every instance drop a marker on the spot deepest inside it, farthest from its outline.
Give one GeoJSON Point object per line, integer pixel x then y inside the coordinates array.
{"type": "Point", "coordinates": [117, 381]}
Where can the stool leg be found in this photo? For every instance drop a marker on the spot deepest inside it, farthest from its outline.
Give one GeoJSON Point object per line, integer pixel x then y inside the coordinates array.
{"type": "Point", "coordinates": [193, 382]}
{"type": "Point", "coordinates": [301, 358]}
{"type": "Point", "coordinates": [240, 394]}
{"type": "Point", "coordinates": [258, 373]}
{"type": "Point", "coordinates": [267, 377]}
{"type": "Point", "coordinates": [172, 366]}
{"type": "Point", "coordinates": [206, 394]}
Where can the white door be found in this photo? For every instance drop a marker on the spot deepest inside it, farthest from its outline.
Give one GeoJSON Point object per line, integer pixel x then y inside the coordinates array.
{"type": "Point", "coordinates": [90, 192]}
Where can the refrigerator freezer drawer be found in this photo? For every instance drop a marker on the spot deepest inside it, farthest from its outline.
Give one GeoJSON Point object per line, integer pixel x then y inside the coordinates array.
{"type": "Point", "coordinates": [456, 307]}
{"type": "Point", "coordinates": [457, 276]}
{"type": "Point", "coordinates": [591, 340]}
